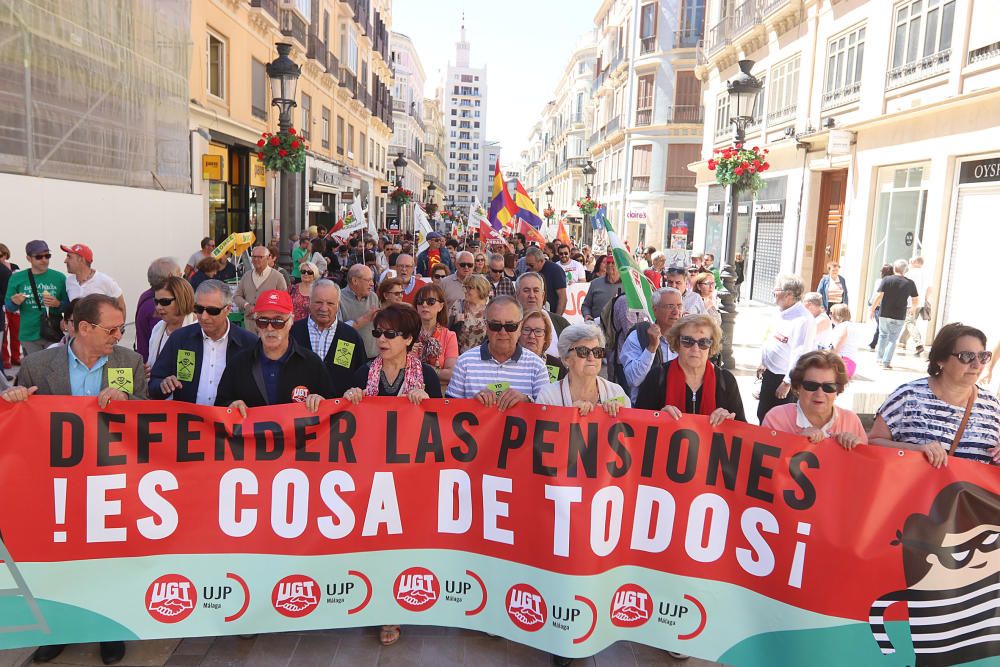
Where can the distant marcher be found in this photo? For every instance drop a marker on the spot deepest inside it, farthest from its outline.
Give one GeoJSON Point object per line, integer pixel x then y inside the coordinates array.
{"type": "Point", "coordinates": [467, 316]}
{"type": "Point", "coordinates": [898, 298]}
{"type": "Point", "coordinates": [300, 292]}
{"type": "Point", "coordinates": [832, 287]}
{"type": "Point", "coordinates": [205, 252]}
{"type": "Point", "coordinates": [37, 293]}
{"type": "Point", "coordinates": [82, 279]}
{"type": "Point", "coordinates": [254, 283]}
{"type": "Point", "coordinates": [792, 334]}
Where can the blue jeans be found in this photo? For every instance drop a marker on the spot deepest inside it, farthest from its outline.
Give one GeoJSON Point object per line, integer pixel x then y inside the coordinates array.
{"type": "Point", "coordinates": [888, 333]}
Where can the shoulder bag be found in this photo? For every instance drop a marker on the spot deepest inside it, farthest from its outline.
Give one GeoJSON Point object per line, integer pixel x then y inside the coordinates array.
{"type": "Point", "coordinates": [48, 328]}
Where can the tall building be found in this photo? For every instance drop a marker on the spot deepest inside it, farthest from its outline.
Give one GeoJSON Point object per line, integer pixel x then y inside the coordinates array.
{"type": "Point", "coordinates": [408, 135]}
{"type": "Point", "coordinates": [492, 151]}
{"type": "Point", "coordinates": [435, 161]}
{"type": "Point", "coordinates": [898, 158]}
{"type": "Point", "coordinates": [465, 122]}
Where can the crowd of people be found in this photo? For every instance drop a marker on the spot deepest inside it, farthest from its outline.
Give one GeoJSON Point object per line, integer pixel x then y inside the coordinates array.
{"type": "Point", "coordinates": [375, 317]}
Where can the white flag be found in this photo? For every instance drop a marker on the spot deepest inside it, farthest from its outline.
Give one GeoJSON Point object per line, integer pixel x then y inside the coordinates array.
{"type": "Point", "coordinates": [422, 226]}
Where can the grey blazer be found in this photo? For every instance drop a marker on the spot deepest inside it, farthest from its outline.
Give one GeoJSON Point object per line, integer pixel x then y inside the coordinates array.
{"type": "Point", "coordinates": [49, 371]}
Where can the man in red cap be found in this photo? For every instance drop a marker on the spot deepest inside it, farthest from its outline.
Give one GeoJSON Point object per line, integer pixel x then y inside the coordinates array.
{"type": "Point", "coordinates": [82, 280]}
{"type": "Point", "coordinates": [277, 369]}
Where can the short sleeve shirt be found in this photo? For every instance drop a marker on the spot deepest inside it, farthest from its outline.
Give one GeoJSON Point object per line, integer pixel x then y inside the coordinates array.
{"type": "Point", "coordinates": [896, 293]}
{"type": "Point", "coordinates": [555, 279]}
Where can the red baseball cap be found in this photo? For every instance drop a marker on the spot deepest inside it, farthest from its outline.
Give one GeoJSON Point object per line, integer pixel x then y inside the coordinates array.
{"type": "Point", "coordinates": [274, 300]}
{"type": "Point", "coordinates": [81, 250]}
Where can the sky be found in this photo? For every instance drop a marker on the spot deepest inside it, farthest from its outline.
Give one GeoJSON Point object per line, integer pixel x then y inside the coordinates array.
{"type": "Point", "coordinates": [524, 44]}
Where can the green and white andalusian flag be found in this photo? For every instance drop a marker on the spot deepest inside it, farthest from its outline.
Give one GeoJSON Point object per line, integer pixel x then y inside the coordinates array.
{"type": "Point", "coordinates": [638, 290]}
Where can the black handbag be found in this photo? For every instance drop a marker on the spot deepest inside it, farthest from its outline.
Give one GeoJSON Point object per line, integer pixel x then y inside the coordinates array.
{"type": "Point", "coordinates": [48, 328]}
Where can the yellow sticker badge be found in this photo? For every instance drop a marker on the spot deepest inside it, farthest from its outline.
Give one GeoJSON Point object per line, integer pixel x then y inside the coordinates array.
{"type": "Point", "coordinates": [553, 373]}
{"type": "Point", "coordinates": [498, 388]}
{"type": "Point", "coordinates": [344, 353]}
{"type": "Point", "coordinates": [185, 365]}
{"type": "Point", "coordinates": [121, 379]}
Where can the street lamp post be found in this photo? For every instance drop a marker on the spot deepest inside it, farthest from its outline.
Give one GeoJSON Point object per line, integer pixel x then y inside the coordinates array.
{"type": "Point", "coordinates": [588, 230]}
{"type": "Point", "coordinates": [548, 199]}
{"type": "Point", "coordinates": [400, 164]}
{"type": "Point", "coordinates": [743, 91]}
{"type": "Point", "coordinates": [429, 205]}
{"type": "Point", "coordinates": [284, 76]}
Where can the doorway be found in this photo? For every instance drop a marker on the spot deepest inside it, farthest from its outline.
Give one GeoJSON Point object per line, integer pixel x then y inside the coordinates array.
{"type": "Point", "coordinates": [830, 223]}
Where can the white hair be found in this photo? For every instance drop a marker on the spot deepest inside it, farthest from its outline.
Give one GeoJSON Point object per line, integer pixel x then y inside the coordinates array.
{"type": "Point", "coordinates": [659, 294]}
{"type": "Point", "coordinates": [575, 333]}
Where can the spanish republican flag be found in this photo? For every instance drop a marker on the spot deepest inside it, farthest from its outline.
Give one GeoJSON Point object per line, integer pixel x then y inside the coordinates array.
{"type": "Point", "coordinates": [562, 235]}
{"type": "Point", "coordinates": [530, 233]}
{"type": "Point", "coordinates": [502, 207]}
{"type": "Point", "coordinates": [526, 208]}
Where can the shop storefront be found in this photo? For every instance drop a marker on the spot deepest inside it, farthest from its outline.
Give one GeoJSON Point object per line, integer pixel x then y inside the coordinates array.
{"type": "Point", "coordinates": [900, 209]}
{"type": "Point", "coordinates": [237, 184]}
{"type": "Point", "coordinates": [331, 192]}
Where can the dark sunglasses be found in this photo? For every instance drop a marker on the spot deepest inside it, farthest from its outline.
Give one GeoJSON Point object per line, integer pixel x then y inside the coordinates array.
{"type": "Point", "coordinates": [394, 293]}
{"type": "Point", "coordinates": [429, 301]}
{"type": "Point", "coordinates": [211, 310]}
{"type": "Point", "coordinates": [389, 334]}
{"type": "Point", "coordinates": [584, 352]}
{"type": "Point", "coordinates": [492, 270]}
{"type": "Point", "coordinates": [165, 302]}
{"type": "Point", "coordinates": [466, 265]}
{"type": "Point", "coordinates": [274, 323]}
{"type": "Point", "coordinates": [702, 343]}
{"type": "Point", "coordinates": [47, 255]}
{"type": "Point", "coordinates": [959, 555]}
{"type": "Point", "coordinates": [509, 327]}
{"type": "Point", "coordinates": [828, 387]}
{"type": "Point", "coordinates": [306, 272]}
{"type": "Point", "coordinates": [968, 357]}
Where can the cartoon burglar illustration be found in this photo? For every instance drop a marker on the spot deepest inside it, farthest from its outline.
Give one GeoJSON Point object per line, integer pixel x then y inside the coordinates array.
{"type": "Point", "coordinates": [951, 560]}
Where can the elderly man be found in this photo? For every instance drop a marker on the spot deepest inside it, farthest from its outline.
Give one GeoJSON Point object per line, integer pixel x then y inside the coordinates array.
{"type": "Point", "coordinates": [82, 279]}
{"type": "Point", "coordinates": [555, 279]}
{"type": "Point", "coordinates": [454, 284]}
{"type": "Point", "coordinates": [359, 304]}
{"type": "Point", "coordinates": [336, 343]}
{"type": "Point", "coordinates": [500, 284]}
{"type": "Point", "coordinates": [646, 344]}
{"type": "Point", "coordinates": [436, 253]}
{"type": "Point", "coordinates": [531, 295]}
{"type": "Point", "coordinates": [677, 278]}
{"type": "Point", "coordinates": [898, 298]}
{"type": "Point", "coordinates": [499, 372]}
{"type": "Point", "coordinates": [35, 292]}
{"type": "Point", "coordinates": [92, 364]}
{"type": "Point", "coordinates": [404, 271]}
{"type": "Point", "coordinates": [790, 336]}
{"type": "Point", "coordinates": [190, 367]}
{"type": "Point", "coordinates": [254, 283]}
{"type": "Point", "coordinates": [602, 290]}
{"type": "Point", "coordinates": [276, 370]}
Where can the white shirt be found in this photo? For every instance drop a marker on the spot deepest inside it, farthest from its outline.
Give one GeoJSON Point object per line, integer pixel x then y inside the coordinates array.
{"type": "Point", "coordinates": [790, 336]}
{"type": "Point", "coordinates": [99, 283]}
{"type": "Point", "coordinates": [694, 304]}
{"type": "Point", "coordinates": [575, 273]}
{"type": "Point", "coordinates": [213, 363]}
{"type": "Point", "coordinates": [159, 337]}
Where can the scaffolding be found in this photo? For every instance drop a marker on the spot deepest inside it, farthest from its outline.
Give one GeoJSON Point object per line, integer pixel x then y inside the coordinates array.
{"type": "Point", "coordinates": [96, 91]}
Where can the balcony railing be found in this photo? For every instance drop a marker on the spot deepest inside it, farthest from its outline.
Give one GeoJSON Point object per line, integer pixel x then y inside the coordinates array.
{"type": "Point", "coordinates": [333, 65]}
{"type": "Point", "coordinates": [349, 81]}
{"type": "Point", "coordinates": [690, 113]}
{"type": "Point", "coordinates": [918, 70]}
{"type": "Point", "coordinates": [269, 6]}
{"type": "Point", "coordinates": [647, 45]}
{"type": "Point", "coordinates": [781, 115]}
{"type": "Point", "coordinates": [317, 50]}
{"type": "Point", "coordinates": [293, 26]}
{"type": "Point", "coordinates": [688, 38]}
{"type": "Point", "coordinates": [643, 117]}
{"type": "Point", "coordinates": [844, 95]}
{"type": "Point", "coordinates": [576, 163]}
{"type": "Point", "coordinates": [984, 53]}
{"type": "Point", "coordinates": [599, 80]}
{"type": "Point", "coordinates": [746, 14]}
{"type": "Point", "coordinates": [768, 7]}
{"type": "Point", "coordinates": [613, 125]}
{"type": "Point", "coordinates": [718, 35]}
{"type": "Point", "coordinates": [640, 183]}
{"type": "Point", "coordinates": [681, 183]}
{"type": "Point", "coordinates": [399, 105]}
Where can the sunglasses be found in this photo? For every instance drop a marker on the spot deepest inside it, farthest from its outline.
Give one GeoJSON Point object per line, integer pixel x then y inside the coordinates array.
{"type": "Point", "coordinates": [509, 327]}
{"type": "Point", "coordinates": [584, 352]}
{"type": "Point", "coordinates": [109, 330]}
{"type": "Point", "coordinates": [211, 310]}
{"type": "Point", "coordinates": [828, 387]}
{"type": "Point", "coordinates": [47, 255]}
{"type": "Point", "coordinates": [466, 265]}
{"type": "Point", "coordinates": [492, 270]}
{"type": "Point", "coordinates": [439, 276]}
{"type": "Point", "coordinates": [306, 272]}
{"type": "Point", "coordinates": [274, 323]}
{"type": "Point", "coordinates": [388, 334]}
{"type": "Point", "coordinates": [164, 302]}
{"type": "Point", "coordinates": [959, 555]}
{"type": "Point", "coordinates": [429, 301]}
{"type": "Point", "coordinates": [968, 357]}
{"type": "Point", "coordinates": [690, 341]}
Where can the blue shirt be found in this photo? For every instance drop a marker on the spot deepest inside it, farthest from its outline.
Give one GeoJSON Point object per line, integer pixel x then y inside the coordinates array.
{"type": "Point", "coordinates": [271, 369]}
{"type": "Point", "coordinates": [84, 381]}
{"type": "Point", "coordinates": [476, 368]}
{"type": "Point", "coordinates": [636, 361]}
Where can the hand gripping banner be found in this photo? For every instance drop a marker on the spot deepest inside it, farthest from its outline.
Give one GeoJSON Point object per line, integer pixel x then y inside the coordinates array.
{"type": "Point", "coordinates": [737, 544]}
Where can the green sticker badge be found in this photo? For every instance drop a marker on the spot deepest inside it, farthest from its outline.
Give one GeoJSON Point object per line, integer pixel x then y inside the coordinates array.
{"type": "Point", "coordinates": [185, 365]}
{"type": "Point", "coordinates": [620, 400]}
{"type": "Point", "coordinates": [121, 379]}
{"type": "Point", "coordinates": [553, 373]}
{"type": "Point", "coordinates": [498, 388]}
{"type": "Point", "coordinates": [343, 354]}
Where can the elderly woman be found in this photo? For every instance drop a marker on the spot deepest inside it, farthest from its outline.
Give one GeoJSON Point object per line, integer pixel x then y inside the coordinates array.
{"type": "Point", "coordinates": [581, 347]}
{"type": "Point", "coordinates": [536, 336]}
{"type": "Point", "coordinates": [691, 383]}
{"type": "Point", "coordinates": [945, 413]}
{"type": "Point", "coordinates": [813, 301]}
{"type": "Point", "coordinates": [175, 308]}
{"type": "Point", "coordinates": [390, 291]}
{"type": "Point", "coordinates": [704, 285]}
{"type": "Point", "coordinates": [301, 292]}
{"type": "Point", "coordinates": [439, 272]}
{"type": "Point", "coordinates": [467, 317]}
{"type": "Point", "coordinates": [817, 379]}
{"type": "Point", "coordinates": [438, 345]}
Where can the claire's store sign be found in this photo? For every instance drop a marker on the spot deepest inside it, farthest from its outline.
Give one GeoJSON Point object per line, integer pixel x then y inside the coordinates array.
{"type": "Point", "coordinates": [980, 171]}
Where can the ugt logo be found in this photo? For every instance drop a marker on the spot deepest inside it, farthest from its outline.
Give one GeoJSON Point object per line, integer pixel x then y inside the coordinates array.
{"type": "Point", "coordinates": [295, 596]}
{"type": "Point", "coordinates": [171, 598]}
{"type": "Point", "coordinates": [631, 606]}
{"type": "Point", "coordinates": [526, 607]}
{"type": "Point", "coordinates": [416, 589]}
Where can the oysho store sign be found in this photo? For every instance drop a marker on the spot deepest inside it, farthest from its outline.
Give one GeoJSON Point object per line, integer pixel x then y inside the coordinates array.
{"type": "Point", "coordinates": [980, 171]}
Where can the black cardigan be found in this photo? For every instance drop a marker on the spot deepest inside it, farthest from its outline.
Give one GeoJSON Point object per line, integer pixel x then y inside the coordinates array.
{"type": "Point", "coordinates": [432, 385]}
{"type": "Point", "coordinates": [653, 391]}
{"type": "Point", "coordinates": [341, 377]}
{"type": "Point", "coordinates": [243, 381]}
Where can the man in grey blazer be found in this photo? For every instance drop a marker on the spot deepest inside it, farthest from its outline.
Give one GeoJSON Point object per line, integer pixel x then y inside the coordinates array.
{"type": "Point", "coordinates": [91, 364]}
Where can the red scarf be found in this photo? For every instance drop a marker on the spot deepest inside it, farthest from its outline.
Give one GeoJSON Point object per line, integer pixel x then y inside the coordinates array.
{"type": "Point", "coordinates": [677, 388]}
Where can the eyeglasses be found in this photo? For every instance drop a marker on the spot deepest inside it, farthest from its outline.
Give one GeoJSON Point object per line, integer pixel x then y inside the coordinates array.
{"type": "Point", "coordinates": [274, 323]}
{"type": "Point", "coordinates": [533, 332]}
{"type": "Point", "coordinates": [214, 311]}
{"type": "Point", "coordinates": [439, 276]}
{"type": "Point", "coordinates": [828, 387]}
{"type": "Point", "coordinates": [968, 357]}
{"type": "Point", "coordinates": [394, 293]}
{"type": "Point", "coordinates": [47, 255]}
{"type": "Point", "coordinates": [108, 330]}
{"type": "Point", "coordinates": [509, 327]}
{"type": "Point", "coordinates": [259, 256]}
{"type": "Point", "coordinates": [669, 306]}
{"type": "Point", "coordinates": [388, 334]}
{"type": "Point", "coordinates": [306, 272]}
{"type": "Point", "coordinates": [164, 302]}
{"type": "Point", "coordinates": [959, 555]}
{"type": "Point", "coordinates": [466, 265]}
{"type": "Point", "coordinates": [690, 341]}
{"type": "Point", "coordinates": [429, 301]}
{"type": "Point", "coordinates": [584, 352]}
{"type": "Point", "coordinates": [705, 283]}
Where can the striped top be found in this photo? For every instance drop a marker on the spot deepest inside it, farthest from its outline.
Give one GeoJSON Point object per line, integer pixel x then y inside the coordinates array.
{"type": "Point", "coordinates": [947, 627]}
{"type": "Point", "coordinates": [476, 368]}
{"type": "Point", "coordinates": [915, 415]}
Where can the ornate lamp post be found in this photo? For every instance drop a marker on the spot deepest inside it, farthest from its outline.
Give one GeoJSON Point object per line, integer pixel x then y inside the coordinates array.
{"type": "Point", "coordinates": [400, 164]}
{"type": "Point", "coordinates": [284, 76]}
{"type": "Point", "coordinates": [588, 230]}
{"type": "Point", "coordinates": [430, 206]}
{"type": "Point", "coordinates": [743, 91]}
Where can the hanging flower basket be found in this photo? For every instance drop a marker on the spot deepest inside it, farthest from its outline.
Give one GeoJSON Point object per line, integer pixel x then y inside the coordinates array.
{"type": "Point", "coordinates": [401, 196]}
{"type": "Point", "coordinates": [740, 166]}
{"type": "Point", "coordinates": [447, 215]}
{"type": "Point", "coordinates": [587, 206]}
{"type": "Point", "coordinates": [284, 151]}
{"type": "Point", "coordinates": [549, 212]}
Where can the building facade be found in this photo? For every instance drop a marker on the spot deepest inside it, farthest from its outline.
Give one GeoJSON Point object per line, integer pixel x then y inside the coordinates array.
{"type": "Point", "coordinates": [409, 133]}
{"type": "Point", "coordinates": [435, 164]}
{"type": "Point", "coordinates": [894, 159]}
{"type": "Point", "coordinates": [464, 106]}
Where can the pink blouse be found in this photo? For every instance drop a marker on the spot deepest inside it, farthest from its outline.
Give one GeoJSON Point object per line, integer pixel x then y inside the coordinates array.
{"type": "Point", "coordinates": [790, 419]}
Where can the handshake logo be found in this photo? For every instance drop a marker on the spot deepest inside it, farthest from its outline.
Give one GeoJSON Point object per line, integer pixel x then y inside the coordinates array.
{"type": "Point", "coordinates": [171, 598]}
{"type": "Point", "coordinates": [416, 589]}
{"type": "Point", "coordinates": [526, 607]}
{"type": "Point", "coordinates": [631, 606]}
{"type": "Point", "coordinates": [295, 596]}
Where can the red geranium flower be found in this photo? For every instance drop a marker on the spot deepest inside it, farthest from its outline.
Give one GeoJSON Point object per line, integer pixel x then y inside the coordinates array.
{"type": "Point", "coordinates": [275, 141]}
{"type": "Point", "coordinates": [260, 156]}
{"type": "Point", "coordinates": [282, 152]}
{"type": "Point", "coordinates": [291, 130]}
{"type": "Point", "coordinates": [738, 171]}
{"type": "Point", "coordinates": [745, 164]}
{"type": "Point", "coordinates": [260, 143]}
{"type": "Point", "coordinates": [295, 144]}
{"type": "Point", "coordinates": [711, 164]}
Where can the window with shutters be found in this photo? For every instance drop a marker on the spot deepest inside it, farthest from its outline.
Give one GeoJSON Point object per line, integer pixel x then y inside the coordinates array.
{"type": "Point", "coordinates": [647, 28]}
{"type": "Point", "coordinates": [844, 56]}
{"type": "Point", "coordinates": [216, 65]}
{"type": "Point", "coordinates": [782, 99]}
{"type": "Point", "coordinates": [642, 158]}
{"type": "Point", "coordinates": [722, 116]}
{"type": "Point", "coordinates": [325, 136]}
{"type": "Point", "coordinates": [687, 99]}
{"type": "Point", "coordinates": [306, 128]}
{"type": "Point", "coordinates": [679, 156]}
{"type": "Point", "coordinates": [340, 135]}
{"type": "Point", "coordinates": [258, 97]}
{"type": "Point", "coordinates": [644, 100]}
